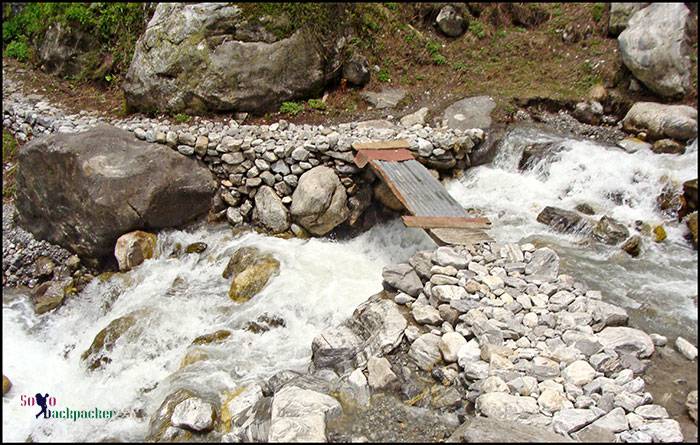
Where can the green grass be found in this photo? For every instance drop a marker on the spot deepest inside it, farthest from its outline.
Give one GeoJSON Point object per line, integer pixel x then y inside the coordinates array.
{"type": "Point", "coordinates": [477, 29]}
{"type": "Point", "coordinates": [439, 59]}
{"type": "Point", "coordinates": [291, 108]}
{"type": "Point", "coordinates": [383, 75]}
{"type": "Point", "coordinates": [316, 104]}
{"type": "Point", "coordinates": [9, 155]}
{"type": "Point", "coordinates": [181, 118]}
{"type": "Point", "coordinates": [597, 10]}
{"type": "Point", "coordinates": [17, 50]}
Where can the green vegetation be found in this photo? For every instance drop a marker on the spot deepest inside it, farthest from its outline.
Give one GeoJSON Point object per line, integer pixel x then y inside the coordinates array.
{"type": "Point", "coordinates": [181, 118]}
{"type": "Point", "coordinates": [291, 108]}
{"type": "Point", "coordinates": [116, 26]}
{"type": "Point", "coordinates": [477, 29]}
{"type": "Point", "coordinates": [439, 59]}
{"type": "Point", "coordinates": [433, 49]}
{"type": "Point", "coordinates": [9, 156]}
{"type": "Point", "coordinates": [597, 11]}
{"type": "Point", "coordinates": [383, 75]}
{"type": "Point", "coordinates": [316, 104]}
{"type": "Point", "coordinates": [17, 50]}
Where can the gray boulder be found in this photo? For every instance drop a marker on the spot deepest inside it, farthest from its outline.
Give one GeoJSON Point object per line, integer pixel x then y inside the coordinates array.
{"type": "Point", "coordinates": [65, 50]}
{"type": "Point", "coordinates": [300, 415]}
{"type": "Point", "coordinates": [544, 263]}
{"type": "Point", "coordinates": [655, 49]}
{"type": "Point", "coordinates": [129, 185]}
{"type": "Point", "coordinates": [626, 340]}
{"type": "Point", "coordinates": [472, 112]}
{"type": "Point", "coordinates": [620, 14]}
{"type": "Point", "coordinates": [564, 220]}
{"type": "Point", "coordinates": [403, 277]}
{"type": "Point", "coordinates": [356, 70]}
{"type": "Point", "coordinates": [660, 121]}
{"type": "Point", "coordinates": [484, 429]}
{"type": "Point", "coordinates": [270, 211]}
{"type": "Point", "coordinates": [610, 231]}
{"type": "Point", "coordinates": [450, 22]}
{"type": "Point", "coordinates": [386, 98]}
{"type": "Point", "coordinates": [319, 202]}
{"type": "Point", "coordinates": [207, 56]}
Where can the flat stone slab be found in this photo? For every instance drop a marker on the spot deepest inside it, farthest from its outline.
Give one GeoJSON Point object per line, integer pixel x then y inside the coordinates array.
{"type": "Point", "coordinates": [387, 98]}
{"type": "Point", "coordinates": [482, 429]}
{"type": "Point", "coordinates": [472, 112]}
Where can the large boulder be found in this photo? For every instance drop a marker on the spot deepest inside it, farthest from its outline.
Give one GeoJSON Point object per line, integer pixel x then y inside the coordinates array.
{"type": "Point", "coordinates": [270, 211]}
{"type": "Point", "coordinates": [662, 121]}
{"type": "Point", "coordinates": [208, 56]}
{"type": "Point", "coordinates": [472, 112]}
{"type": "Point", "coordinates": [319, 202]}
{"type": "Point", "coordinates": [497, 430]}
{"type": "Point", "coordinates": [66, 50]}
{"type": "Point", "coordinates": [450, 22]}
{"type": "Point", "coordinates": [83, 191]}
{"type": "Point", "coordinates": [655, 49]}
{"type": "Point", "coordinates": [300, 415]}
{"type": "Point", "coordinates": [620, 14]}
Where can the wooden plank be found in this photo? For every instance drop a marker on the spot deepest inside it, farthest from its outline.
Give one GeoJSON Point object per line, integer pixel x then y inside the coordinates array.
{"type": "Point", "coordinates": [448, 222]}
{"type": "Point", "coordinates": [362, 157]}
{"type": "Point", "coordinates": [381, 145]}
{"type": "Point", "coordinates": [462, 237]}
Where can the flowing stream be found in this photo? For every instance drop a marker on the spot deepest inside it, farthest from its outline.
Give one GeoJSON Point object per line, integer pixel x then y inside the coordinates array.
{"type": "Point", "coordinates": [320, 283]}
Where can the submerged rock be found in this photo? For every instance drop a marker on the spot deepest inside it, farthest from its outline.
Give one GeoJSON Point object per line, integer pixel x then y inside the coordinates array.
{"type": "Point", "coordinates": [133, 248]}
{"type": "Point", "coordinates": [198, 247]}
{"type": "Point", "coordinates": [253, 279]}
{"type": "Point", "coordinates": [50, 295]}
{"type": "Point", "coordinates": [610, 231]}
{"type": "Point", "coordinates": [564, 220]}
{"type": "Point", "coordinates": [633, 245]}
{"type": "Point", "coordinates": [97, 354]}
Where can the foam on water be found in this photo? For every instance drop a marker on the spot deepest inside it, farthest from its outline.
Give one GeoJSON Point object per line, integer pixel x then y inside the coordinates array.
{"type": "Point", "coordinates": [661, 284]}
{"type": "Point", "coordinates": [320, 284]}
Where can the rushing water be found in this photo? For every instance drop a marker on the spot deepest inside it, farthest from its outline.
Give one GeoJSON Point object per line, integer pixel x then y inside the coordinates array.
{"type": "Point", "coordinates": [319, 285]}
{"type": "Point", "coordinates": [659, 288]}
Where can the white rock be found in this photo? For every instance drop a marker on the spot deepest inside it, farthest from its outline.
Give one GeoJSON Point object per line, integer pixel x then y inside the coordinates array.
{"type": "Point", "coordinates": [380, 373]}
{"type": "Point", "coordinates": [425, 351]}
{"type": "Point", "coordinates": [193, 413]}
{"type": "Point", "coordinates": [300, 415]}
{"type": "Point", "coordinates": [501, 405]}
{"type": "Point", "coordinates": [686, 348]}
{"type": "Point", "coordinates": [425, 314]}
{"type": "Point", "coordinates": [666, 430]}
{"type": "Point", "coordinates": [579, 373]}
{"type": "Point", "coordinates": [447, 293]}
{"type": "Point", "coordinates": [572, 419]}
{"type": "Point", "coordinates": [652, 412]}
{"type": "Point", "coordinates": [450, 345]}
{"type": "Point", "coordinates": [494, 384]}
{"type": "Point", "coordinates": [360, 388]}
{"type": "Point", "coordinates": [552, 401]}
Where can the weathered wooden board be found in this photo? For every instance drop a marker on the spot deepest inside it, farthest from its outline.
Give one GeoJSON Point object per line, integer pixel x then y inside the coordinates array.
{"type": "Point", "coordinates": [381, 145]}
{"type": "Point", "coordinates": [435, 222]}
{"type": "Point", "coordinates": [364, 156]}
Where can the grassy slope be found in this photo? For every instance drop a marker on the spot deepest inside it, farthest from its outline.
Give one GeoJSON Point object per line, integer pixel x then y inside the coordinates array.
{"type": "Point", "coordinates": [504, 61]}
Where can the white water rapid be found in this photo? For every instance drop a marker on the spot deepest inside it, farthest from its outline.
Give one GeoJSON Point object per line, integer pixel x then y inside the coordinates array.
{"type": "Point", "coordinates": [320, 284]}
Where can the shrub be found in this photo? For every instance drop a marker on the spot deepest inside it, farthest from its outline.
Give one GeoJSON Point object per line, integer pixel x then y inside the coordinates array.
{"type": "Point", "coordinates": [17, 50]}
{"type": "Point", "coordinates": [317, 104]}
{"type": "Point", "coordinates": [477, 29]}
{"type": "Point", "coordinates": [292, 108]}
{"type": "Point", "coordinates": [181, 118]}
{"type": "Point", "coordinates": [439, 59]}
{"type": "Point", "coordinates": [383, 75]}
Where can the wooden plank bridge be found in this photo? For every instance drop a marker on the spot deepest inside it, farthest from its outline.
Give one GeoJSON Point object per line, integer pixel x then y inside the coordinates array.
{"type": "Point", "coordinates": [430, 206]}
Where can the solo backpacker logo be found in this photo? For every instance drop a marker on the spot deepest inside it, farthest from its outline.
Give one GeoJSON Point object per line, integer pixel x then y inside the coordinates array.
{"type": "Point", "coordinates": [45, 401]}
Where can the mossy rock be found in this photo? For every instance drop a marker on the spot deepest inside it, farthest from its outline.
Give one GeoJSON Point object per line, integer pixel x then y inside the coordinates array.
{"type": "Point", "coordinates": [6, 385]}
{"type": "Point", "coordinates": [214, 337]}
{"type": "Point", "coordinates": [51, 294]}
{"type": "Point", "coordinates": [241, 260]}
{"type": "Point", "coordinates": [96, 354]}
{"type": "Point", "coordinates": [160, 421]}
{"type": "Point", "coordinates": [659, 234]}
{"type": "Point", "coordinates": [253, 279]}
{"type": "Point", "coordinates": [196, 248]}
{"type": "Point", "coordinates": [193, 356]}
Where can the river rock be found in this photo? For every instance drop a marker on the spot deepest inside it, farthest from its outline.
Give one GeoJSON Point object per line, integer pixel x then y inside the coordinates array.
{"type": "Point", "coordinates": [300, 415]}
{"type": "Point", "coordinates": [563, 220]}
{"type": "Point", "coordinates": [615, 421]}
{"type": "Point", "coordinates": [633, 145]}
{"type": "Point", "coordinates": [544, 263]}
{"type": "Point", "coordinates": [404, 278]}
{"type": "Point", "coordinates": [415, 118]}
{"type": "Point", "coordinates": [252, 424]}
{"type": "Point", "coordinates": [500, 405]}
{"type": "Point", "coordinates": [606, 314]}
{"type": "Point", "coordinates": [139, 184]}
{"type": "Point", "coordinates": [450, 22]}
{"type": "Point", "coordinates": [660, 121]}
{"type": "Point", "coordinates": [50, 295]}
{"type": "Point", "coordinates": [610, 231]}
{"type": "Point", "coordinates": [620, 14]}
{"type": "Point", "coordinates": [573, 419]}
{"type": "Point", "coordinates": [359, 387]}
{"type": "Point", "coordinates": [250, 281]}
{"type": "Point", "coordinates": [686, 348]}
{"type": "Point", "coordinates": [194, 414]}
{"type": "Point", "coordinates": [450, 345]}
{"type": "Point", "coordinates": [498, 430]}
{"type": "Point", "coordinates": [691, 403]}
{"type": "Point", "coordinates": [425, 351]}
{"type": "Point", "coordinates": [654, 47]}
{"type": "Point", "coordinates": [668, 146]}
{"type": "Point", "coordinates": [356, 70]}
{"type": "Point", "coordinates": [270, 211]}
{"type": "Point", "coordinates": [426, 314]}
{"type": "Point", "coordinates": [386, 98]}
{"type": "Point", "coordinates": [133, 248]}
{"type": "Point", "coordinates": [97, 354]}
{"type": "Point", "coordinates": [379, 372]}
{"type": "Point", "coordinates": [551, 401]}
{"type": "Point", "coordinates": [472, 112]}
{"type": "Point", "coordinates": [690, 195]}
{"type": "Point", "coordinates": [160, 427]}
{"type": "Point", "coordinates": [692, 223]}
{"type": "Point", "coordinates": [197, 247]}
{"type": "Point", "coordinates": [664, 430]}
{"type": "Point", "coordinates": [626, 340]}
{"type": "Point", "coordinates": [579, 373]}
{"type": "Point", "coordinates": [207, 56]}
{"type": "Point", "coordinates": [633, 245]}
{"type": "Point", "coordinates": [375, 328]}
{"type": "Point", "coordinates": [319, 203]}
{"type": "Point", "coordinates": [6, 385]}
